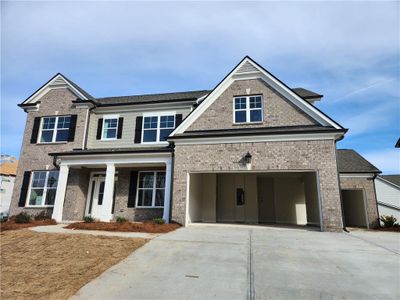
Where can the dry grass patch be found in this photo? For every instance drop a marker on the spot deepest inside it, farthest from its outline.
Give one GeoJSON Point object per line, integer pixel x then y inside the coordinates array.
{"type": "Point", "coordinates": [12, 225]}
{"type": "Point", "coordinates": [55, 266]}
{"type": "Point", "coordinates": [148, 227]}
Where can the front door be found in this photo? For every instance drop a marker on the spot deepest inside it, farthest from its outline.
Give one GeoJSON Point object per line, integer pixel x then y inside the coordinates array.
{"type": "Point", "coordinates": [96, 197]}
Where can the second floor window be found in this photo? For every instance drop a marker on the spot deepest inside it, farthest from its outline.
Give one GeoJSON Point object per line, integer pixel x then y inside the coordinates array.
{"type": "Point", "coordinates": [157, 128]}
{"type": "Point", "coordinates": [110, 128]}
{"type": "Point", "coordinates": [55, 129]}
{"type": "Point", "coordinates": [248, 109]}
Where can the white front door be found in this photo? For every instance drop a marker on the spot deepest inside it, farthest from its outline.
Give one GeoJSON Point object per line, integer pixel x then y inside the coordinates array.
{"type": "Point", "coordinates": [96, 195]}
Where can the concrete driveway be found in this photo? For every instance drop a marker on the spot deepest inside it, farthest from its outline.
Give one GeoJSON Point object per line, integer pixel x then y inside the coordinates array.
{"type": "Point", "coordinates": [250, 262]}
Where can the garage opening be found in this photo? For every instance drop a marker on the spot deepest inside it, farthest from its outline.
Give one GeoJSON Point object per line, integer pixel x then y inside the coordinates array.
{"type": "Point", "coordinates": [354, 208]}
{"type": "Point", "coordinates": [255, 198]}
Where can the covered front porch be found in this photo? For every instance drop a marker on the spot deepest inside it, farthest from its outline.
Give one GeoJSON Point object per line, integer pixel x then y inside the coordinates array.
{"type": "Point", "coordinates": [133, 185]}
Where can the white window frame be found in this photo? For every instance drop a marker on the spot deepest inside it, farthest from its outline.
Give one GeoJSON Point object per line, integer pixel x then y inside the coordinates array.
{"type": "Point", "coordinates": [45, 188]}
{"type": "Point", "coordinates": [248, 109]}
{"type": "Point", "coordinates": [158, 129]}
{"type": "Point", "coordinates": [55, 129]}
{"type": "Point", "coordinates": [108, 117]}
{"type": "Point", "coordinates": [154, 189]}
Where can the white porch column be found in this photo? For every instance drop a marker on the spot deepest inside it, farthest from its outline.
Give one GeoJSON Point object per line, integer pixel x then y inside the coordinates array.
{"type": "Point", "coordinates": [60, 194]}
{"type": "Point", "coordinates": [167, 197]}
{"type": "Point", "coordinates": [106, 215]}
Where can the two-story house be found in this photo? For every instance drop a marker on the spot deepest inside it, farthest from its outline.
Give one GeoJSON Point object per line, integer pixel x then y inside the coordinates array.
{"type": "Point", "coordinates": [250, 150]}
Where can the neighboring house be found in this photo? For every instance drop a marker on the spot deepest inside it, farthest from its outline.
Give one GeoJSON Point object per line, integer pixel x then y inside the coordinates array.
{"type": "Point", "coordinates": [8, 170]}
{"type": "Point", "coordinates": [251, 150]}
{"type": "Point", "coordinates": [388, 195]}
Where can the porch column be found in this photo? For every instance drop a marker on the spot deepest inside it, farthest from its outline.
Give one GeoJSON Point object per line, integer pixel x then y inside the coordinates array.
{"type": "Point", "coordinates": [167, 197]}
{"type": "Point", "coordinates": [60, 194]}
{"type": "Point", "coordinates": [106, 215]}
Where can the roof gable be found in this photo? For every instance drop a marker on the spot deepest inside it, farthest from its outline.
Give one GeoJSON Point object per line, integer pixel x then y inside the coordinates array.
{"type": "Point", "coordinates": [57, 81]}
{"type": "Point", "coordinates": [249, 69]}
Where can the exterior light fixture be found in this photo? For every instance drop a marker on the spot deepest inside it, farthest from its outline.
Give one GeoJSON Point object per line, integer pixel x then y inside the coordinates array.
{"type": "Point", "coordinates": [247, 160]}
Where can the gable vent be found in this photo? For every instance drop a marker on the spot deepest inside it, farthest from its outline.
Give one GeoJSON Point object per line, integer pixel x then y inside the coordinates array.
{"type": "Point", "coordinates": [58, 81]}
{"type": "Point", "coordinates": [247, 67]}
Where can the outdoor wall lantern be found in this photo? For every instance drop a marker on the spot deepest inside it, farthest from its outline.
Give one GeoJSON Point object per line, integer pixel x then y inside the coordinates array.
{"type": "Point", "coordinates": [247, 160]}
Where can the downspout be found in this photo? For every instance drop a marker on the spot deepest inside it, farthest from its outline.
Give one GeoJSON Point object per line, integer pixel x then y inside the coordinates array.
{"type": "Point", "coordinates": [85, 130]}
{"type": "Point", "coordinates": [172, 145]}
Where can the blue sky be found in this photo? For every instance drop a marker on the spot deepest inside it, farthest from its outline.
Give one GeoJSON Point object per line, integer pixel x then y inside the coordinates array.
{"type": "Point", "coordinates": [349, 52]}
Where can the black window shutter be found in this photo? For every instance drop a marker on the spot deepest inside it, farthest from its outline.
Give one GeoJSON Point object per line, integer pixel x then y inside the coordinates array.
{"type": "Point", "coordinates": [35, 130]}
{"type": "Point", "coordinates": [24, 188]}
{"type": "Point", "coordinates": [72, 126]}
{"type": "Point", "coordinates": [132, 188]}
{"type": "Point", "coordinates": [178, 120]}
{"type": "Point", "coordinates": [120, 126]}
{"type": "Point", "coordinates": [99, 128]}
{"type": "Point", "coordinates": [138, 130]}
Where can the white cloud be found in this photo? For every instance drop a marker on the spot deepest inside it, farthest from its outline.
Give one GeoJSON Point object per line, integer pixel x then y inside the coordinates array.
{"type": "Point", "coordinates": [387, 160]}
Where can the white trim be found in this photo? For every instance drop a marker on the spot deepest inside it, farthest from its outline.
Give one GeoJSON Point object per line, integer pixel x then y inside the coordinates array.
{"type": "Point", "coordinates": [109, 117]}
{"type": "Point", "coordinates": [158, 128]}
{"type": "Point", "coordinates": [388, 182]}
{"type": "Point", "coordinates": [154, 188]}
{"type": "Point", "coordinates": [356, 175]}
{"type": "Point", "coordinates": [54, 85]}
{"type": "Point", "coordinates": [256, 138]}
{"type": "Point", "coordinates": [85, 129]}
{"type": "Point", "coordinates": [303, 105]}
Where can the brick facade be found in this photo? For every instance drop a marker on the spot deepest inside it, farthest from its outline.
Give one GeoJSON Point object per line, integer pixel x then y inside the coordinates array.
{"type": "Point", "coordinates": [318, 156]}
{"type": "Point", "coordinates": [367, 185]}
{"type": "Point", "coordinates": [36, 156]}
{"type": "Point", "coordinates": [277, 110]}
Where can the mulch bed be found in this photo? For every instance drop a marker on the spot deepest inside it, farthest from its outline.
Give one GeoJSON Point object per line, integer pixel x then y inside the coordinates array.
{"type": "Point", "coordinates": [148, 227]}
{"type": "Point", "coordinates": [11, 225]}
{"type": "Point", "coordinates": [392, 229]}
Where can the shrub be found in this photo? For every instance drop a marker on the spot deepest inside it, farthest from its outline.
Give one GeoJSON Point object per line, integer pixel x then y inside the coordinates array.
{"type": "Point", "coordinates": [159, 221]}
{"type": "Point", "coordinates": [388, 221]}
{"type": "Point", "coordinates": [22, 218]}
{"type": "Point", "coordinates": [121, 220]}
{"type": "Point", "coordinates": [3, 218]}
{"type": "Point", "coordinates": [42, 216]}
{"type": "Point", "coordinates": [88, 219]}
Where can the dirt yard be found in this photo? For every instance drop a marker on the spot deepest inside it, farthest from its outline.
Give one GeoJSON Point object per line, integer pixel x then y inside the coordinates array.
{"type": "Point", "coordinates": [149, 227]}
{"type": "Point", "coordinates": [55, 266]}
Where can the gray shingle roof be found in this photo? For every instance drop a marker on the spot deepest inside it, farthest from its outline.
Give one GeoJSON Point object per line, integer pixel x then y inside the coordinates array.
{"type": "Point", "coordinates": [349, 161]}
{"type": "Point", "coordinates": [395, 179]}
{"type": "Point", "coordinates": [306, 94]}
{"type": "Point", "coordinates": [179, 96]}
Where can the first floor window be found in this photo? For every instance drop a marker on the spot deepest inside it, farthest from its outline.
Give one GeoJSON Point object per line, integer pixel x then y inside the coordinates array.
{"type": "Point", "coordinates": [110, 127]}
{"type": "Point", "coordinates": [43, 188]}
{"type": "Point", "coordinates": [157, 128]}
{"type": "Point", "coordinates": [151, 189]}
{"type": "Point", "coordinates": [55, 129]}
{"type": "Point", "coordinates": [248, 109]}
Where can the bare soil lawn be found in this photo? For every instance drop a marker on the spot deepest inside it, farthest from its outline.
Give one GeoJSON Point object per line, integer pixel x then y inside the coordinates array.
{"type": "Point", "coordinates": [11, 225]}
{"type": "Point", "coordinates": [149, 227]}
{"type": "Point", "coordinates": [55, 266]}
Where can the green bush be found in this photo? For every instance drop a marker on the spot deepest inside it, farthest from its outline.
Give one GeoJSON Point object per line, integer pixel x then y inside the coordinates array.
{"type": "Point", "coordinates": [88, 219]}
{"type": "Point", "coordinates": [121, 220]}
{"type": "Point", "coordinates": [388, 221]}
{"type": "Point", "coordinates": [42, 216]}
{"type": "Point", "coordinates": [159, 221]}
{"type": "Point", "coordinates": [3, 218]}
{"type": "Point", "coordinates": [22, 218]}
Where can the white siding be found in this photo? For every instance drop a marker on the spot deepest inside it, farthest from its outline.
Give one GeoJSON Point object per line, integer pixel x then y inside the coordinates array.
{"type": "Point", "coordinates": [387, 194]}
{"type": "Point", "coordinates": [128, 132]}
{"type": "Point", "coordinates": [6, 189]}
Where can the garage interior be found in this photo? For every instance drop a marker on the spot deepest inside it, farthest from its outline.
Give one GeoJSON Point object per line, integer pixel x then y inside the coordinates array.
{"type": "Point", "coordinates": [354, 209]}
{"type": "Point", "coordinates": [287, 198]}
